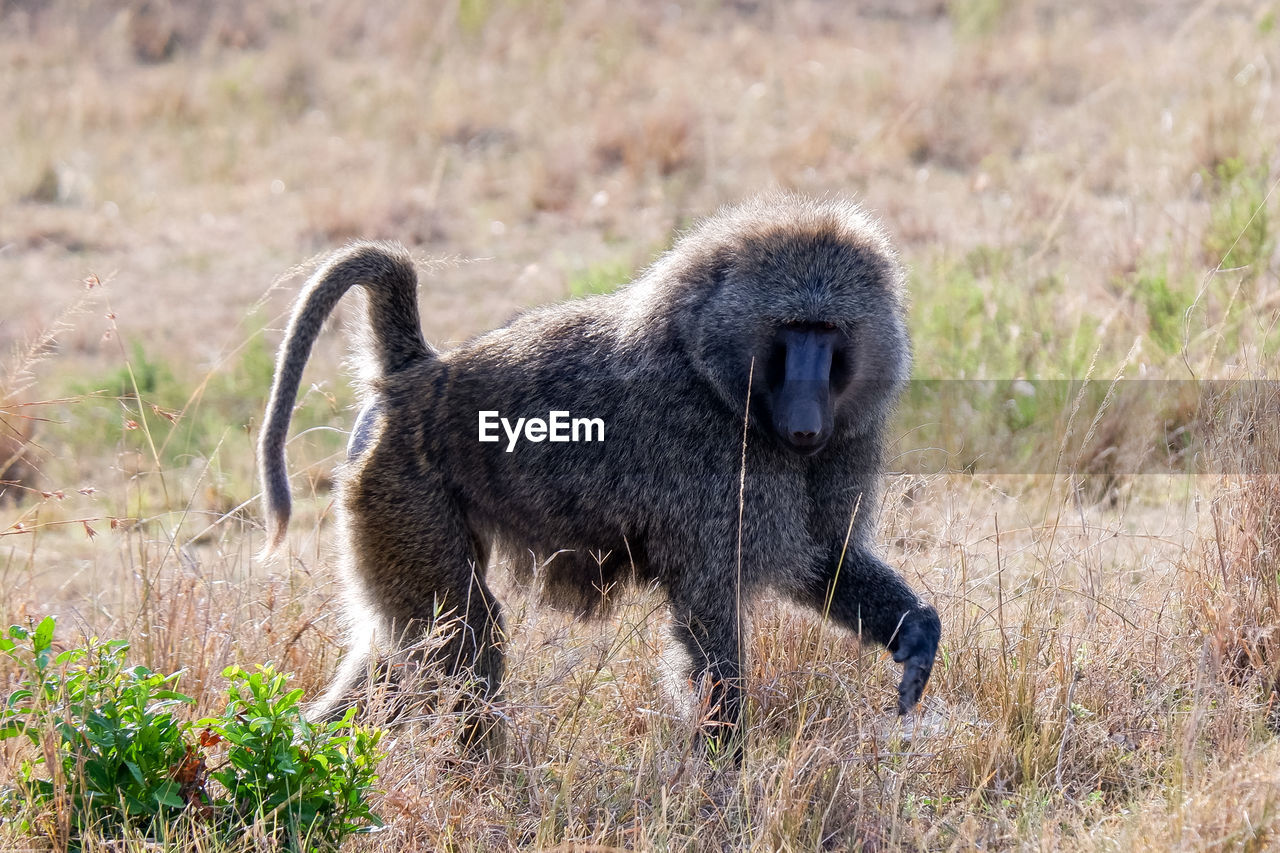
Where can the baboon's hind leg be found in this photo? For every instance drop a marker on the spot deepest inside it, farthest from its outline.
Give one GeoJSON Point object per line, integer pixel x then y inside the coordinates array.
{"type": "Point", "coordinates": [351, 678]}
{"type": "Point", "coordinates": [419, 569]}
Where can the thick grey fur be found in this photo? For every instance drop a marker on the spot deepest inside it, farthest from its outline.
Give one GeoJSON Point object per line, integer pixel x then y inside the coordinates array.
{"type": "Point", "coordinates": [667, 362]}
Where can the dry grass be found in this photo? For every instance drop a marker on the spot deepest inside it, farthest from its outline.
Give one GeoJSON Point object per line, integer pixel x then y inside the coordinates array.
{"type": "Point", "coordinates": [1079, 191]}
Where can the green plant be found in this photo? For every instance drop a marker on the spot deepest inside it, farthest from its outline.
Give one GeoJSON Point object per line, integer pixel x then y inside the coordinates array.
{"type": "Point", "coordinates": [118, 761]}
{"type": "Point", "coordinates": [308, 781]}
{"type": "Point", "coordinates": [107, 729]}
{"type": "Point", "coordinates": [195, 431]}
{"type": "Point", "coordinates": [186, 416]}
{"type": "Point", "coordinates": [976, 318]}
{"type": "Point", "coordinates": [1239, 234]}
{"type": "Point", "coordinates": [1166, 303]}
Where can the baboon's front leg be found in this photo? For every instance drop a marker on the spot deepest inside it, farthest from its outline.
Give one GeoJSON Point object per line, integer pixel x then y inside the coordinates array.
{"type": "Point", "coordinates": [711, 632]}
{"type": "Point", "coordinates": [867, 596]}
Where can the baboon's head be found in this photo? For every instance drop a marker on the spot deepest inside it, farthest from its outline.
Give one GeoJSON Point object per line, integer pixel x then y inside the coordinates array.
{"type": "Point", "coordinates": [802, 301]}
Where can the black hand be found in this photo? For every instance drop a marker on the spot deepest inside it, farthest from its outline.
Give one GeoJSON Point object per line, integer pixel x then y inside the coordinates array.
{"type": "Point", "coordinates": [915, 648]}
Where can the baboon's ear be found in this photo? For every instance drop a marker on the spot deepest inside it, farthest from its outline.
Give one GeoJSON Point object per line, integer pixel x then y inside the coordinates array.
{"type": "Point", "coordinates": [710, 272]}
{"type": "Point", "coordinates": [721, 266]}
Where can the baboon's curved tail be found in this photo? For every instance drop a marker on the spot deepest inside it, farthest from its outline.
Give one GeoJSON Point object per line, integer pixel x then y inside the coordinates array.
{"type": "Point", "coordinates": [386, 271]}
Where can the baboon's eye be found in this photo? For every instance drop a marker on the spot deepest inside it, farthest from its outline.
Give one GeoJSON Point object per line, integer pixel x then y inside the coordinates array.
{"type": "Point", "coordinates": [804, 325]}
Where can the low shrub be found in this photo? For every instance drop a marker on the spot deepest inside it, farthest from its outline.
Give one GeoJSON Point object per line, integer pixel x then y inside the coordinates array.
{"type": "Point", "coordinates": [114, 756]}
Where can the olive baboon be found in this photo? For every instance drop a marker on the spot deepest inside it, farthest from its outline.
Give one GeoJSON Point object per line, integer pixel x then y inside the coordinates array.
{"type": "Point", "coordinates": [794, 304]}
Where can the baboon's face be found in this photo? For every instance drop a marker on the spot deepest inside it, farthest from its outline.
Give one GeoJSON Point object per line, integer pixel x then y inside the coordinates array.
{"type": "Point", "coordinates": [806, 321]}
{"type": "Point", "coordinates": [808, 368]}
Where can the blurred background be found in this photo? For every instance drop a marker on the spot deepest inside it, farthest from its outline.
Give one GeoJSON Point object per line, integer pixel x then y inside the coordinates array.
{"type": "Point", "coordinates": [1079, 191]}
{"type": "Point", "coordinates": [1061, 177]}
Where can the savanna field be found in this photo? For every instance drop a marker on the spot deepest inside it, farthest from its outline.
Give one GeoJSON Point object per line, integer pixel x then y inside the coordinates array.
{"type": "Point", "coordinates": [1079, 192]}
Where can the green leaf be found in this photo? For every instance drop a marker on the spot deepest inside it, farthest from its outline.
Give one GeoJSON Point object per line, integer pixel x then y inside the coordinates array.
{"type": "Point", "coordinates": [289, 699]}
{"type": "Point", "coordinates": [133, 805]}
{"type": "Point", "coordinates": [168, 795]}
{"type": "Point", "coordinates": [69, 656]}
{"type": "Point", "coordinates": [14, 729]}
{"type": "Point", "coordinates": [100, 737]}
{"type": "Point", "coordinates": [173, 696]}
{"type": "Point", "coordinates": [44, 633]}
{"type": "Point", "coordinates": [98, 774]}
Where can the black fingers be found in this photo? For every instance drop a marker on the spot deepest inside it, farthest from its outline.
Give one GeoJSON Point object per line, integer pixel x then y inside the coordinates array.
{"type": "Point", "coordinates": [915, 647]}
